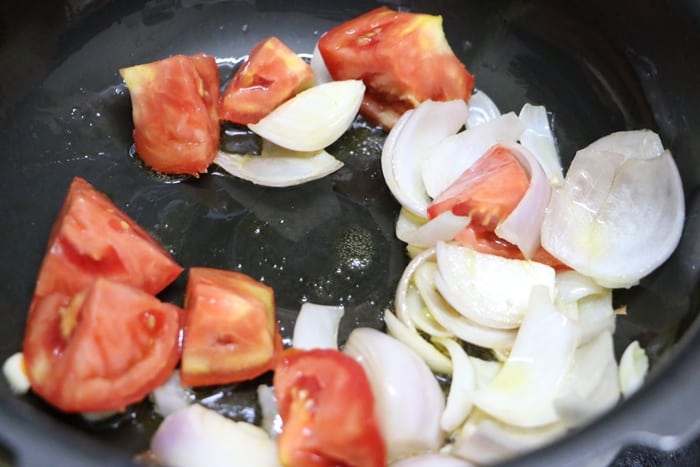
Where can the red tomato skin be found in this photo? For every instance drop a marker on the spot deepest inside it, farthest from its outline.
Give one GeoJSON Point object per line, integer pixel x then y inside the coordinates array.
{"type": "Point", "coordinates": [175, 112]}
{"type": "Point", "coordinates": [272, 74]}
{"type": "Point", "coordinates": [231, 332]}
{"type": "Point", "coordinates": [403, 58]}
{"type": "Point", "coordinates": [101, 349]}
{"type": "Point", "coordinates": [327, 408]}
{"type": "Point", "coordinates": [91, 237]}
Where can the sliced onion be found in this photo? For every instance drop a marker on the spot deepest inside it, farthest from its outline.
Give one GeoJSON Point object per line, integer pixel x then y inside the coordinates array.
{"type": "Point", "coordinates": [523, 225]}
{"type": "Point", "coordinates": [573, 286]}
{"type": "Point", "coordinates": [199, 436]}
{"type": "Point", "coordinates": [481, 109]}
{"type": "Point", "coordinates": [388, 151]}
{"type": "Point", "coordinates": [171, 396]}
{"type": "Point", "coordinates": [595, 315]}
{"type": "Point", "coordinates": [460, 326]}
{"type": "Point", "coordinates": [539, 140]}
{"type": "Point", "coordinates": [444, 227]}
{"type": "Point", "coordinates": [403, 156]}
{"type": "Point", "coordinates": [314, 118]}
{"type": "Point", "coordinates": [522, 393]}
{"type": "Point", "coordinates": [408, 398]}
{"type": "Point", "coordinates": [400, 302]}
{"type": "Point", "coordinates": [316, 326]}
{"type": "Point", "coordinates": [321, 73]}
{"type": "Point", "coordinates": [421, 317]}
{"type": "Point", "coordinates": [620, 212]}
{"type": "Point", "coordinates": [462, 387]}
{"type": "Point", "coordinates": [15, 373]}
{"type": "Point", "coordinates": [277, 166]}
{"type": "Point", "coordinates": [271, 418]}
{"type": "Point", "coordinates": [432, 460]}
{"type": "Point", "coordinates": [490, 290]}
{"type": "Point", "coordinates": [634, 365]}
{"type": "Point", "coordinates": [456, 153]}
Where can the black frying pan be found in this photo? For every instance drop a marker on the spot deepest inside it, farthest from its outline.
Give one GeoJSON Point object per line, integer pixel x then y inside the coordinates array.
{"type": "Point", "coordinates": [598, 66]}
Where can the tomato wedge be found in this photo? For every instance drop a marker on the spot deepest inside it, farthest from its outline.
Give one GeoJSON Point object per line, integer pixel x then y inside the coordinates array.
{"type": "Point", "coordinates": [272, 74]}
{"type": "Point", "coordinates": [488, 191]}
{"type": "Point", "coordinates": [231, 332]}
{"type": "Point", "coordinates": [93, 238]}
{"type": "Point", "coordinates": [175, 112]}
{"type": "Point", "coordinates": [403, 59]}
{"type": "Point", "coordinates": [101, 349]}
{"type": "Point", "coordinates": [327, 410]}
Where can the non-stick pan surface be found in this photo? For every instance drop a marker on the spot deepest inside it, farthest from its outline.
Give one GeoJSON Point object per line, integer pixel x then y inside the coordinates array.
{"type": "Point", "coordinates": [598, 66]}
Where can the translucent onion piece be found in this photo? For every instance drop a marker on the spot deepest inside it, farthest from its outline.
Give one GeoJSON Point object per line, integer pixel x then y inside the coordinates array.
{"type": "Point", "coordinates": [432, 460]}
{"type": "Point", "coordinates": [316, 326]}
{"type": "Point", "coordinates": [271, 418]}
{"type": "Point", "coordinates": [277, 166]}
{"type": "Point", "coordinates": [15, 373]}
{"type": "Point", "coordinates": [458, 325]}
{"type": "Point", "coordinates": [403, 157]}
{"type": "Point", "coordinates": [456, 153]}
{"type": "Point", "coordinates": [421, 317]}
{"type": "Point", "coordinates": [321, 73]}
{"type": "Point", "coordinates": [463, 384]}
{"type": "Point", "coordinates": [484, 370]}
{"type": "Point", "coordinates": [171, 396]}
{"type": "Point", "coordinates": [444, 227]}
{"type": "Point", "coordinates": [408, 398]}
{"type": "Point", "coordinates": [388, 156]}
{"type": "Point", "coordinates": [620, 212]}
{"type": "Point", "coordinates": [314, 118]}
{"type": "Point", "coordinates": [488, 289]}
{"type": "Point", "coordinates": [522, 393]}
{"type": "Point", "coordinates": [481, 109]}
{"type": "Point", "coordinates": [435, 359]}
{"type": "Point", "coordinates": [200, 436]}
{"type": "Point", "coordinates": [523, 225]}
{"type": "Point", "coordinates": [539, 140]}
{"type": "Point", "coordinates": [634, 365]}
{"type": "Point", "coordinates": [595, 315]}
{"type": "Point", "coordinates": [400, 301]}
{"type": "Point", "coordinates": [573, 286]}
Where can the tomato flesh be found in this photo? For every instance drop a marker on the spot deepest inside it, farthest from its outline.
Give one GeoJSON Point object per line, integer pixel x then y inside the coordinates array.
{"type": "Point", "coordinates": [231, 331]}
{"type": "Point", "coordinates": [403, 58]}
{"type": "Point", "coordinates": [327, 409]}
{"type": "Point", "coordinates": [92, 237]}
{"type": "Point", "coordinates": [175, 112]}
{"type": "Point", "coordinates": [272, 74]}
{"type": "Point", "coordinates": [101, 349]}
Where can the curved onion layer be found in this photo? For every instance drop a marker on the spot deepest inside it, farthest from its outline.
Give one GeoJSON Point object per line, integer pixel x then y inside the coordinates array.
{"type": "Point", "coordinates": [488, 289]}
{"type": "Point", "coordinates": [277, 166]}
{"type": "Point", "coordinates": [459, 398]}
{"type": "Point", "coordinates": [432, 460]}
{"type": "Point", "coordinates": [481, 109]}
{"type": "Point", "coordinates": [458, 325]}
{"type": "Point", "coordinates": [15, 373]}
{"type": "Point", "coordinates": [420, 315]}
{"type": "Point", "coordinates": [314, 118]}
{"type": "Point", "coordinates": [408, 398]}
{"type": "Point", "coordinates": [444, 227]}
{"type": "Point", "coordinates": [412, 143]}
{"type": "Point", "coordinates": [522, 393]}
{"type": "Point", "coordinates": [456, 153]}
{"type": "Point", "coordinates": [523, 225]}
{"type": "Point", "coordinates": [595, 314]}
{"type": "Point", "coordinates": [316, 326]}
{"type": "Point", "coordinates": [538, 139]}
{"type": "Point", "coordinates": [321, 73]}
{"type": "Point", "coordinates": [199, 436]}
{"type": "Point", "coordinates": [620, 212]}
{"type": "Point", "coordinates": [573, 286]}
{"type": "Point", "coordinates": [401, 304]}
{"type": "Point", "coordinates": [271, 418]}
{"type": "Point", "coordinates": [634, 365]}
{"type": "Point", "coordinates": [171, 396]}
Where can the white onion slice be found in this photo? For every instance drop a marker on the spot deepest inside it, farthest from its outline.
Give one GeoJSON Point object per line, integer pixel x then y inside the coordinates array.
{"type": "Point", "coordinates": [400, 301]}
{"type": "Point", "coordinates": [427, 125]}
{"type": "Point", "coordinates": [321, 73]}
{"type": "Point", "coordinates": [432, 460]}
{"type": "Point", "coordinates": [481, 109]}
{"type": "Point", "coordinates": [456, 153]}
{"type": "Point", "coordinates": [490, 290]}
{"type": "Point", "coordinates": [420, 315]}
{"type": "Point", "coordinates": [316, 326]}
{"type": "Point", "coordinates": [171, 396]}
{"type": "Point", "coordinates": [459, 398]}
{"type": "Point", "coordinates": [271, 418]}
{"type": "Point", "coordinates": [460, 326]}
{"type": "Point", "coordinates": [539, 140]}
{"type": "Point", "coordinates": [199, 436]}
{"type": "Point", "coordinates": [277, 166]}
{"type": "Point", "coordinates": [442, 228]}
{"type": "Point", "coordinates": [620, 212]}
{"type": "Point", "coordinates": [573, 286]}
{"type": "Point", "coordinates": [15, 373]}
{"type": "Point", "coordinates": [388, 151]}
{"type": "Point", "coordinates": [522, 393]}
{"type": "Point", "coordinates": [523, 225]}
{"type": "Point", "coordinates": [595, 314]}
{"type": "Point", "coordinates": [314, 118]}
{"type": "Point", "coordinates": [634, 365]}
{"type": "Point", "coordinates": [408, 398]}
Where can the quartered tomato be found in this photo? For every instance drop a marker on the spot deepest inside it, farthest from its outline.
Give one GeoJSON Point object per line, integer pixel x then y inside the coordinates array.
{"type": "Point", "coordinates": [272, 74]}
{"type": "Point", "coordinates": [93, 238]}
{"type": "Point", "coordinates": [101, 349]}
{"type": "Point", "coordinates": [231, 332]}
{"type": "Point", "coordinates": [403, 59]}
{"type": "Point", "coordinates": [488, 191]}
{"type": "Point", "coordinates": [327, 410]}
{"type": "Point", "coordinates": [175, 112]}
